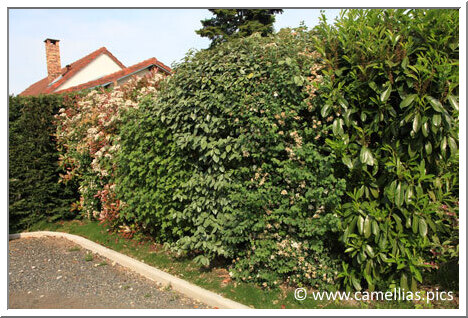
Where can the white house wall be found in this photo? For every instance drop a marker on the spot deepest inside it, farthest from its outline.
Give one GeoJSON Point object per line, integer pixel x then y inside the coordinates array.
{"type": "Point", "coordinates": [101, 66]}
{"type": "Point", "coordinates": [137, 74]}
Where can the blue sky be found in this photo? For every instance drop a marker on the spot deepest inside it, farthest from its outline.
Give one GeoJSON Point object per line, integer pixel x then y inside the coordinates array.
{"type": "Point", "coordinates": [132, 35]}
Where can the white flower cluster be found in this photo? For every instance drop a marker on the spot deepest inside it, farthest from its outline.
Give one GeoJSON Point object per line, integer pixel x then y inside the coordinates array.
{"type": "Point", "coordinates": [90, 129]}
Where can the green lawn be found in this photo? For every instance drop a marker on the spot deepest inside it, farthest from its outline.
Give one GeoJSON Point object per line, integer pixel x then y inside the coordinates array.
{"type": "Point", "coordinates": [215, 279]}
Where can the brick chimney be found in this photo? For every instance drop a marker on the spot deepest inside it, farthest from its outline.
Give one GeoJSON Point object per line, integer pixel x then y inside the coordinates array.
{"type": "Point", "coordinates": [53, 59]}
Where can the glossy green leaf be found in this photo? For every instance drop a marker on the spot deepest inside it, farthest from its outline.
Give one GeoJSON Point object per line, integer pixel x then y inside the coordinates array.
{"type": "Point", "coordinates": [453, 101]}
{"type": "Point", "coordinates": [386, 94]}
{"type": "Point", "coordinates": [436, 105]}
{"type": "Point", "coordinates": [416, 122]}
{"type": "Point", "coordinates": [399, 226]}
{"type": "Point", "coordinates": [367, 227]}
{"type": "Point", "coordinates": [370, 251]}
{"type": "Point", "coordinates": [399, 195]}
{"type": "Point", "coordinates": [422, 227]}
{"type": "Point", "coordinates": [408, 100]}
{"type": "Point", "coordinates": [436, 120]}
{"type": "Point", "coordinates": [425, 129]}
{"type": "Point", "coordinates": [443, 145]}
{"type": "Point", "coordinates": [347, 161]}
{"type": "Point", "coordinates": [326, 110]}
{"type": "Point", "coordinates": [338, 126]}
{"type": "Point", "coordinates": [360, 224]}
{"type": "Point", "coordinates": [375, 228]}
{"type": "Point", "coordinates": [409, 194]}
{"type": "Point", "coordinates": [452, 145]}
{"type": "Point", "coordinates": [366, 156]}
{"type": "Point", "coordinates": [356, 283]}
{"type": "Point", "coordinates": [428, 148]}
{"type": "Point", "coordinates": [408, 222]}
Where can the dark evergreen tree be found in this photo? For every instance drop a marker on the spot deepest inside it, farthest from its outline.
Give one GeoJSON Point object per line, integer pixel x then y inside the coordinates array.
{"type": "Point", "coordinates": [235, 23]}
{"type": "Point", "coordinates": [35, 193]}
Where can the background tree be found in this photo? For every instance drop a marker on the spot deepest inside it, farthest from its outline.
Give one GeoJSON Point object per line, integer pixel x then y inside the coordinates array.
{"type": "Point", "coordinates": [235, 23]}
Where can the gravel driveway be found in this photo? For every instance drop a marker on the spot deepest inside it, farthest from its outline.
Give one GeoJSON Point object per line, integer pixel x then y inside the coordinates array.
{"type": "Point", "coordinates": [56, 273]}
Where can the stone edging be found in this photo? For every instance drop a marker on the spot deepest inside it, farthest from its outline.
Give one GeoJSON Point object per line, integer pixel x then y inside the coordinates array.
{"type": "Point", "coordinates": [180, 285]}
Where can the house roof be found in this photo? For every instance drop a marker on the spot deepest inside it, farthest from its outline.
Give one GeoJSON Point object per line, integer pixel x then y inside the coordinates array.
{"type": "Point", "coordinates": [111, 78]}
{"type": "Point", "coordinates": [43, 86]}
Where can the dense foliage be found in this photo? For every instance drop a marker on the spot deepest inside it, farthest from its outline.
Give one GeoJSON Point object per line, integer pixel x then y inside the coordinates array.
{"type": "Point", "coordinates": [146, 180]}
{"type": "Point", "coordinates": [390, 91]}
{"type": "Point", "coordinates": [301, 157]}
{"type": "Point", "coordinates": [88, 139]}
{"type": "Point", "coordinates": [229, 161]}
{"type": "Point", "coordinates": [34, 191]}
{"type": "Point", "coordinates": [230, 24]}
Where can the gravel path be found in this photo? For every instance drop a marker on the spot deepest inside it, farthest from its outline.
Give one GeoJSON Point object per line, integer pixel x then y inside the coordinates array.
{"type": "Point", "coordinates": [56, 273]}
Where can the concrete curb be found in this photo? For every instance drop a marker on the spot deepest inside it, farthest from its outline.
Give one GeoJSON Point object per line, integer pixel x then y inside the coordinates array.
{"type": "Point", "coordinates": [180, 285]}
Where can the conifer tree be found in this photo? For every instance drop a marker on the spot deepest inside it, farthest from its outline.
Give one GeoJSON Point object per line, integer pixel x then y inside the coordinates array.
{"type": "Point", "coordinates": [235, 23]}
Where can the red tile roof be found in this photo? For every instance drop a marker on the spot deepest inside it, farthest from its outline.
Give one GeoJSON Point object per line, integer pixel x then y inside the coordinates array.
{"type": "Point", "coordinates": [43, 87]}
{"type": "Point", "coordinates": [111, 78]}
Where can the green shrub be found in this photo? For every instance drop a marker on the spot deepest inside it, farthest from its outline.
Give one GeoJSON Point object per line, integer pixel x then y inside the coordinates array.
{"type": "Point", "coordinates": [35, 193]}
{"type": "Point", "coordinates": [390, 94]}
{"type": "Point", "coordinates": [229, 161]}
{"type": "Point", "coordinates": [148, 173]}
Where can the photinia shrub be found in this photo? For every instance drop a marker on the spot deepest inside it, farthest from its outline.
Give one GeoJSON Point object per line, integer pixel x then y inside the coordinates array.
{"type": "Point", "coordinates": [88, 139]}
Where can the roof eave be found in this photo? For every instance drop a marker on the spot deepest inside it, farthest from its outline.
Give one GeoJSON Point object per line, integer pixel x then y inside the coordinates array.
{"type": "Point", "coordinates": [125, 76]}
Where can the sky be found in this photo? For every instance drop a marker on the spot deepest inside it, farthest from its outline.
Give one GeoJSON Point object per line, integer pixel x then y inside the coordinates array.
{"type": "Point", "coordinates": [131, 35]}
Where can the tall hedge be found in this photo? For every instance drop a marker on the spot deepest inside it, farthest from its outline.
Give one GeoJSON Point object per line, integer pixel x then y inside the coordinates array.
{"type": "Point", "coordinates": [310, 157]}
{"type": "Point", "coordinates": [88, 140]}
{"type": "Point", "coordinates": [34, 190]}
{"type": "Point", "coordinates": [228, 161]}
{"type": "Point", "coordinates": [390, 92]}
